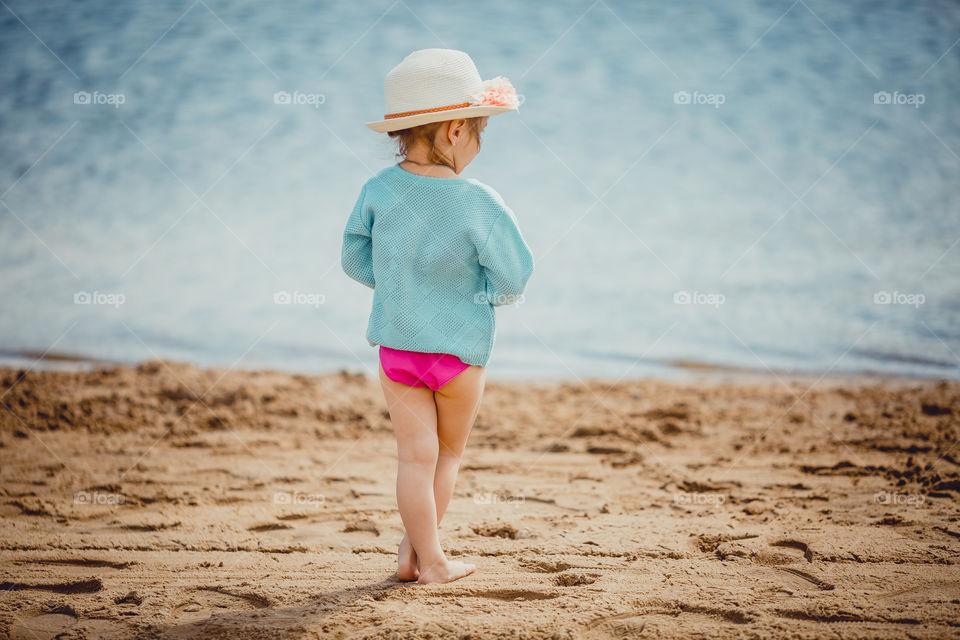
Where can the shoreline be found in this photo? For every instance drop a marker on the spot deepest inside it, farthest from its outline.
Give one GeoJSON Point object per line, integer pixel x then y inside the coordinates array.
{"type": "Point", "coordinates": [676, 370]}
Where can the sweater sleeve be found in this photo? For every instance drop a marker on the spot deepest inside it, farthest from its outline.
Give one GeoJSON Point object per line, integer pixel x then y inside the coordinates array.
{"type": "Point", "coordinates": [356, 257]}
{"type": "Point", "coordinates": [506, 260]}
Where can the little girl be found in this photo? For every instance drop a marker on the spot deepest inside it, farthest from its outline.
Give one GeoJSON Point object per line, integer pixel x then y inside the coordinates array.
{"type": "Point", "coordinates": [439, 252]}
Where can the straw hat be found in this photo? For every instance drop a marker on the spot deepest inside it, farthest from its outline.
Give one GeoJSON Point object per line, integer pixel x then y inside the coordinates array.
{"type": "Point", "coordinates": [432, 85]}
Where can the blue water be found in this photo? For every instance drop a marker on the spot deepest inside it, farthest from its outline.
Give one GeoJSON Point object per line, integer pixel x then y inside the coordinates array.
{"type": "Point", "coordinates": [783, 187]}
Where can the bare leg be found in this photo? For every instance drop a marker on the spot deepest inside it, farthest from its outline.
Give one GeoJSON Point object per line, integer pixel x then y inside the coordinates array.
{"type": "Point", "coordinates": [457, 405]}
{"type": "Point", "coordinates": [413, 413]}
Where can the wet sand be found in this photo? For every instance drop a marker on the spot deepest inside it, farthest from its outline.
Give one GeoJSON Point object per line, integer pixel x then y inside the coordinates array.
{"type": "Point", "coordinates": [178, 502]}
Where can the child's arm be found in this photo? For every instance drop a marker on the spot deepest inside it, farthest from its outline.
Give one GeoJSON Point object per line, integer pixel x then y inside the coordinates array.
{"type": "Point", "coordinates": [356, 256]}
{"type": "Point", "coordinates": [506, 260]}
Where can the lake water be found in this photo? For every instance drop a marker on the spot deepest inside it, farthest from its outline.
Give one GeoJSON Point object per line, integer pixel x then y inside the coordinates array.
{"type": "Point", "coordinates": [789, 169]}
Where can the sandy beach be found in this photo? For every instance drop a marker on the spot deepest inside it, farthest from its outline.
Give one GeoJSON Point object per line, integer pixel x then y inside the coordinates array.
{"type": "Point", "coordinates": [177, 502]}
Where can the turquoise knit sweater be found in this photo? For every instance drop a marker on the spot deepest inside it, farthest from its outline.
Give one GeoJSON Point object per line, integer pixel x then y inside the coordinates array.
{"type": "Point", "coordinates": [439, 254]}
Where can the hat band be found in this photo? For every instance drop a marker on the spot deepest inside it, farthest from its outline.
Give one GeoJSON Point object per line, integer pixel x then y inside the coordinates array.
{"type": "Point", "coordinates": [433, 110]}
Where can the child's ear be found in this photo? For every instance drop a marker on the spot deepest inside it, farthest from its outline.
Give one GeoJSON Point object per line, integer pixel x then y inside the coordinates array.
{"type": "Point", "coordinates": [456, 130]}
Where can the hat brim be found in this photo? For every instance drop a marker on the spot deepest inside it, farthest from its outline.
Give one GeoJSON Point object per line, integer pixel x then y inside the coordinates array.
{"type": "Point", "coordinates": [396, 124]}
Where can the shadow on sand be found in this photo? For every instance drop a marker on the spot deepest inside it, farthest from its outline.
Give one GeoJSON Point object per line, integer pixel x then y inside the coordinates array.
{"type": "Point", "coordinates": [270, 622]}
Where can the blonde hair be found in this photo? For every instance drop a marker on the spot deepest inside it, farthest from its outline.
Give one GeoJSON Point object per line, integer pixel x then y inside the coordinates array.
{"type": "Point", "coordinates": [407, 138]}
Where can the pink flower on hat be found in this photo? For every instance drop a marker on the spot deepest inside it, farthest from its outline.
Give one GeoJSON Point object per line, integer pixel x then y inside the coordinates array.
{"type": "Point", "coordinates": [497, 92]}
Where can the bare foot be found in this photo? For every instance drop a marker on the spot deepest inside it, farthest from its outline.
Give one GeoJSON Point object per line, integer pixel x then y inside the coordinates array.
{"type": "Point", "coordinates": [448, 572]}
{"type": "Point", "coordinates": [407, 568]}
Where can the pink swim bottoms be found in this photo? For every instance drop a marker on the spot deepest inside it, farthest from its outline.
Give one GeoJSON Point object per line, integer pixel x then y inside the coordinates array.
{"type": "Point", "coordinates": [415, 369]}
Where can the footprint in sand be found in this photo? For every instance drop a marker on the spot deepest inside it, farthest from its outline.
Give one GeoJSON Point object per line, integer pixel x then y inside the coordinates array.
{"type": "Point", "coordinates": [62, 621]}
{"type": "Point", "coordinates": [208, 599]}
{"type": "Point", "coordinates": [776, 553]}
{"type": "Point", "coordinates": [798, 549]}
{"type": "Point", "coordinates": [663, 617]}
{"type": "Point", "coordinates": [49, 623]}
{"type": "Point", "coordinates": [509, 595]}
